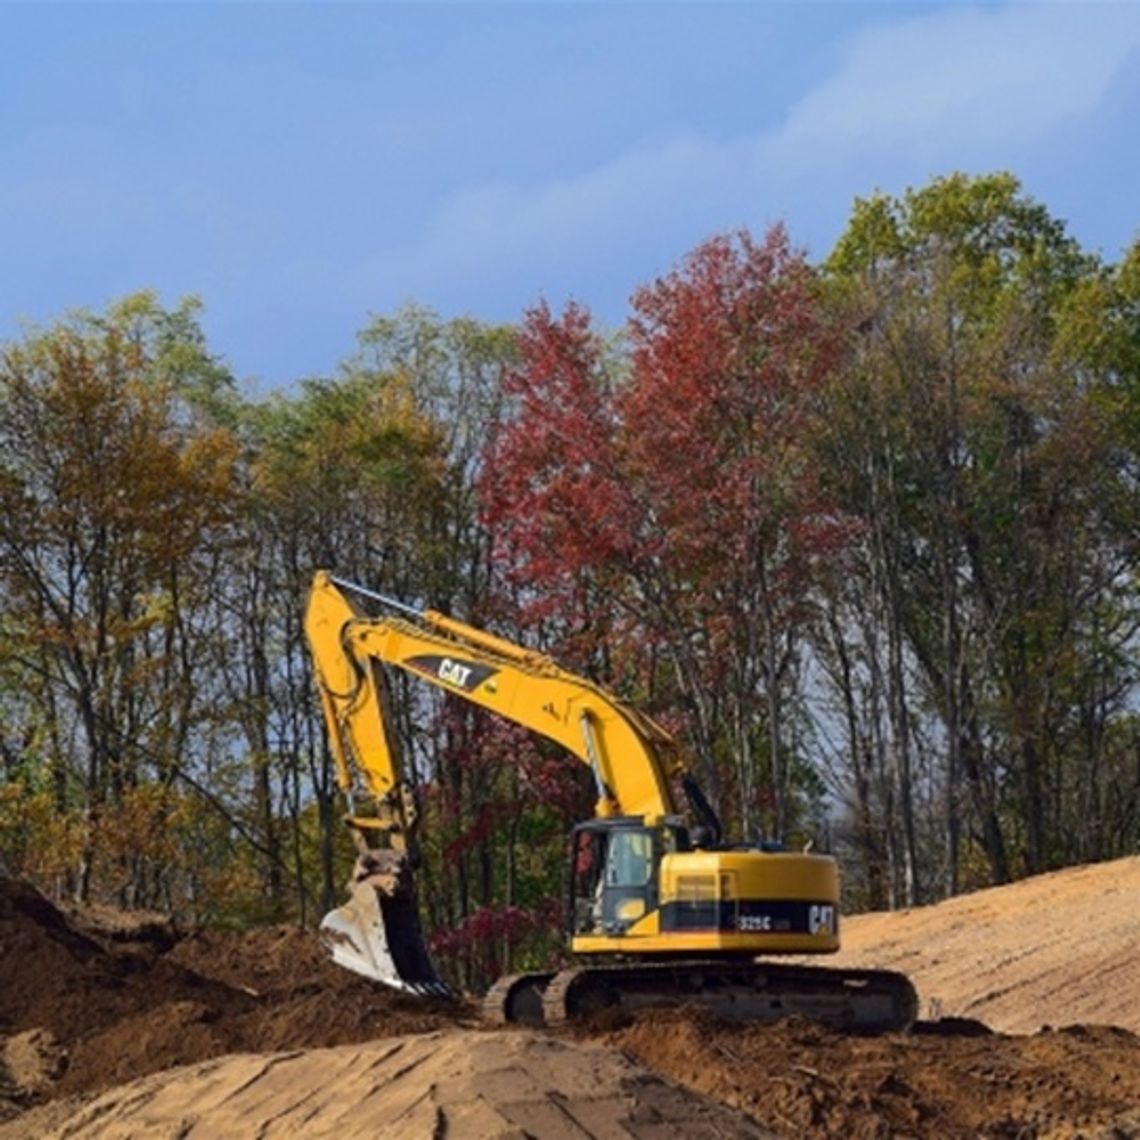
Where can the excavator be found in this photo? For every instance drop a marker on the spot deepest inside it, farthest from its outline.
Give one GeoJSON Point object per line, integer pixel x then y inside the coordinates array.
{"type": "Point", "coordinates": [661, 909]}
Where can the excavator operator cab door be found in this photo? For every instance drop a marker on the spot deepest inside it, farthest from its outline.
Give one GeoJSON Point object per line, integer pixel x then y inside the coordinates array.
{"type": "Point", "coordinates": [614, 877]}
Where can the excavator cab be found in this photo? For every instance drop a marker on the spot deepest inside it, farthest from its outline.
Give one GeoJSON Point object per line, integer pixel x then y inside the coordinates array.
{"type": "Point", "coordinates": [615, 872]}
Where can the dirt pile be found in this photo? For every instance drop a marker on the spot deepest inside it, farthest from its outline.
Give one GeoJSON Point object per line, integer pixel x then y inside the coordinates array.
{"type": "Point", "coordinates": [88, 1001]}
{"type": "Point", "coordinates": [117, 1003]}
{"type": "Point", "coordinates": [946, 1080]}
{"type": "Point", "coordinates": [93, 1000]}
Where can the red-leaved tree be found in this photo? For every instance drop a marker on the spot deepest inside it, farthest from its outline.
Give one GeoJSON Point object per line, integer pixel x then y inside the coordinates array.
{"type": "Point", "coordinates": [663, 498]}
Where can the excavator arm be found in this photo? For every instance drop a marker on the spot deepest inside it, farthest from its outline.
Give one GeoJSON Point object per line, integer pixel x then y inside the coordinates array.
{"type": "Point", "coordinates": [627, 753]}
{"type": "Point", "coordinates": [377, 932]}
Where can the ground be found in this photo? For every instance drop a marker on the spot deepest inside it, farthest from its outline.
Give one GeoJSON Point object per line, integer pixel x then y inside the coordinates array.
{"type": "Point", "coordinates": [116, 1028]}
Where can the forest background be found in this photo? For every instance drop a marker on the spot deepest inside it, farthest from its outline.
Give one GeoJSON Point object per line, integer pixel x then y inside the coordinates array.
{"type": "Point", "coordinates": [864, 534]}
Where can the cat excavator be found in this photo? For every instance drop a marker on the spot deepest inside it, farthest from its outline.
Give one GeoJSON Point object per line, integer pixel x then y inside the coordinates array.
{"type": "Point", "coordinates": [661, 910]}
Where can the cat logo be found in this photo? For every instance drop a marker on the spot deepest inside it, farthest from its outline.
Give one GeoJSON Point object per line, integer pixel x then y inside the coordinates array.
{"type": "Point", "coordinates": [821, 920]}
{"type": "Point", "coordinates": [457, 674]}
{"type": "Point", "coordinates": [454, 673]}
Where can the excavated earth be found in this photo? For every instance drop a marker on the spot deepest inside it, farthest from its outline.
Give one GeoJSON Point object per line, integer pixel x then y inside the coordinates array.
{"type": "Point", "coordinates": [115, 1025]}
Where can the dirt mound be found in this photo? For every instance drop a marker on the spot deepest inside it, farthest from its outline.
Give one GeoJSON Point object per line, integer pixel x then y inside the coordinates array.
{"type": "Point", "coordinates": [948, 1080]}
{"type": "Point", "coordinates": [437, 1084]}
{"type": "Point", "coordinates": [1057, 949]}
{"type": "Point", "coordinates": [63, 979]}
{"type": "Point", "coordinates": [117, 1006]}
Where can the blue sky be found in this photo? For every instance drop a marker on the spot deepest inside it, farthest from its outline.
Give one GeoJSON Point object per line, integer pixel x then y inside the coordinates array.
{"type": "Point", "coordinates": [301, 166]}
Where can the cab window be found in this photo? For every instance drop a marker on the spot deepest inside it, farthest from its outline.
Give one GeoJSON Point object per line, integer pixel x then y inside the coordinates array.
{"type": "Point", "coordinates": [629, 860]}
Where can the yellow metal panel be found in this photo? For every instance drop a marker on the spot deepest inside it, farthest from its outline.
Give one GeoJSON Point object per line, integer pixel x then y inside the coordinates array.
{"type": "Point", "coordinates": [649, 925]}
{"type": "Point", "coordinates": [630, 909]}
{"type": "Point", "coordinates": [522, 686]}
{"type": "Point", "coordinates": [782, 875]}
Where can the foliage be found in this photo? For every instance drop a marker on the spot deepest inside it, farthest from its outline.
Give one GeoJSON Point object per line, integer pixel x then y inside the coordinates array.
{"type": "Point", "coordinates": [671, 490]}
{"type": "Point", "coordinates": [969, 434]}
{"type": "Point", "coordinates": [864, 535]}
{"type": "Point", "coordinates": [106, 496]}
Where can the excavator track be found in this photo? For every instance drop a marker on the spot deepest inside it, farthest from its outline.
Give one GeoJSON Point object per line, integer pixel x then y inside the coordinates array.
{"type": "Point", "coordinates": [853, 1001]}
{"type": "Point", "coordinates": [516, 999]}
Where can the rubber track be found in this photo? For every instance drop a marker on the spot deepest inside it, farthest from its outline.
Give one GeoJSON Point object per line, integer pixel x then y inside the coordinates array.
{"type": "Point", "coordinates": [576, 991]}
{"type": "Point", "coordinates": [501, 1003]}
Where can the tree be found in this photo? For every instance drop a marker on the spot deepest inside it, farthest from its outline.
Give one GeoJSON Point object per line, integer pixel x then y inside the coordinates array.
{"type": "Point", "coordinates": [969, 441]}
{"type": "Point", "coordinates": [108, 491]}
{"type": "Point", "coordinates": [673, 484]}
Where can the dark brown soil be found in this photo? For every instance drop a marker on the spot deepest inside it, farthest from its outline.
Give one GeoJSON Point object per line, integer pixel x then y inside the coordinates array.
{"type": "Point", "coordinates": [945, 1080]}
{"type": "Point", "coordinates": [120, 1007]}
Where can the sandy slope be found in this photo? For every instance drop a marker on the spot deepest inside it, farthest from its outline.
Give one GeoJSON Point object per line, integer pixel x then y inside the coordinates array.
{"type": "Point", "coordinates": [454, 1083]}
{"type": "Point", "coordinates": [1054, 950]}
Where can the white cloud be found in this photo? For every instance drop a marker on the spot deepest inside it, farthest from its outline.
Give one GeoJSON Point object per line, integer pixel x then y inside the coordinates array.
{"type": "Point", "coordinates": [485, 224]}
{"type": "Point", "coordinates": [948, 89]}
{"type": "Point", "coordinates": [968, 73]}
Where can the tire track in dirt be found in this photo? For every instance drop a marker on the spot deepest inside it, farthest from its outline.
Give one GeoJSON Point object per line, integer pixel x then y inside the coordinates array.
{"type": "Point", "coordinates": [322, 1052]}
{"type": "Point", "coordinates": [445, 1084]}
{"type": "Point", "coordinates": [1054, 950]}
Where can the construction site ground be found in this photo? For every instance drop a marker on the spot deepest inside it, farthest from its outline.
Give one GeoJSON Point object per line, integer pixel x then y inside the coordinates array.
{"type": "Point", "coordinates": [116, 1026]}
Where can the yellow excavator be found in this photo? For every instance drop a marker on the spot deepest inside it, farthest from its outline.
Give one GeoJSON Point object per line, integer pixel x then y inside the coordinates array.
{"type": "Point", "coordinates": [661, 910]}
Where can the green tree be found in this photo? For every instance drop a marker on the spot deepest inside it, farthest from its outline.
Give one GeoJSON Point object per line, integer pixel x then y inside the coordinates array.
{"type": "Point", "coordinates": [369, 473]}
{"type": "Point", "coordinates": [109, 489]}
{"type": "Point", "coordinates": [969, 441]}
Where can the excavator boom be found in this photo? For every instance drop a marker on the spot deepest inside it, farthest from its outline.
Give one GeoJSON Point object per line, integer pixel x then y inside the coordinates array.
{"type": "Point", "coordinates": [377, 932]}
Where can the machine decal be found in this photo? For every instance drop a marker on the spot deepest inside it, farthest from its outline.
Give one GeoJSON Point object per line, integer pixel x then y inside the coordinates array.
{"type": "Point", "coordinates": [821, 919]}
{"type": "Point", "coordinates": [465, 675]}
{"type": "Point", "coordinates": [752, 922]}
{"type": "Point", "coordinates": [750, 917]}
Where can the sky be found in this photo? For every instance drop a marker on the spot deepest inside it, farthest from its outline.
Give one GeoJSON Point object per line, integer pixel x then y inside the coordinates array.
{"type": "Point", "coordinates": [301, 167]}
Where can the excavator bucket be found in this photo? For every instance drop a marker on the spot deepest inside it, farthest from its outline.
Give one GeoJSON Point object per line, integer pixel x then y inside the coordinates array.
{"type": "Point", "coordinates": [377, 932]}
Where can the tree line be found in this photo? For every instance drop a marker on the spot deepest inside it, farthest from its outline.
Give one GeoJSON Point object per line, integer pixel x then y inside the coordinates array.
{"type": "Point", "coordinates": [863, 533]}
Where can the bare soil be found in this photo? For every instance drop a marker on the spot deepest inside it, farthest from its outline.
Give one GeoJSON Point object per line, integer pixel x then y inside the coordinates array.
{"type": "Point", "coordinates": [121, 1007]}
{"type": "Point", "coordinates": [1031, 995]}
{"type": "Point", "coordinates": [445, 1083]}
{"type": "Point", "coordinates": [1057, 949]}
{"type": "Point", "coordinates": [947, 1080]}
